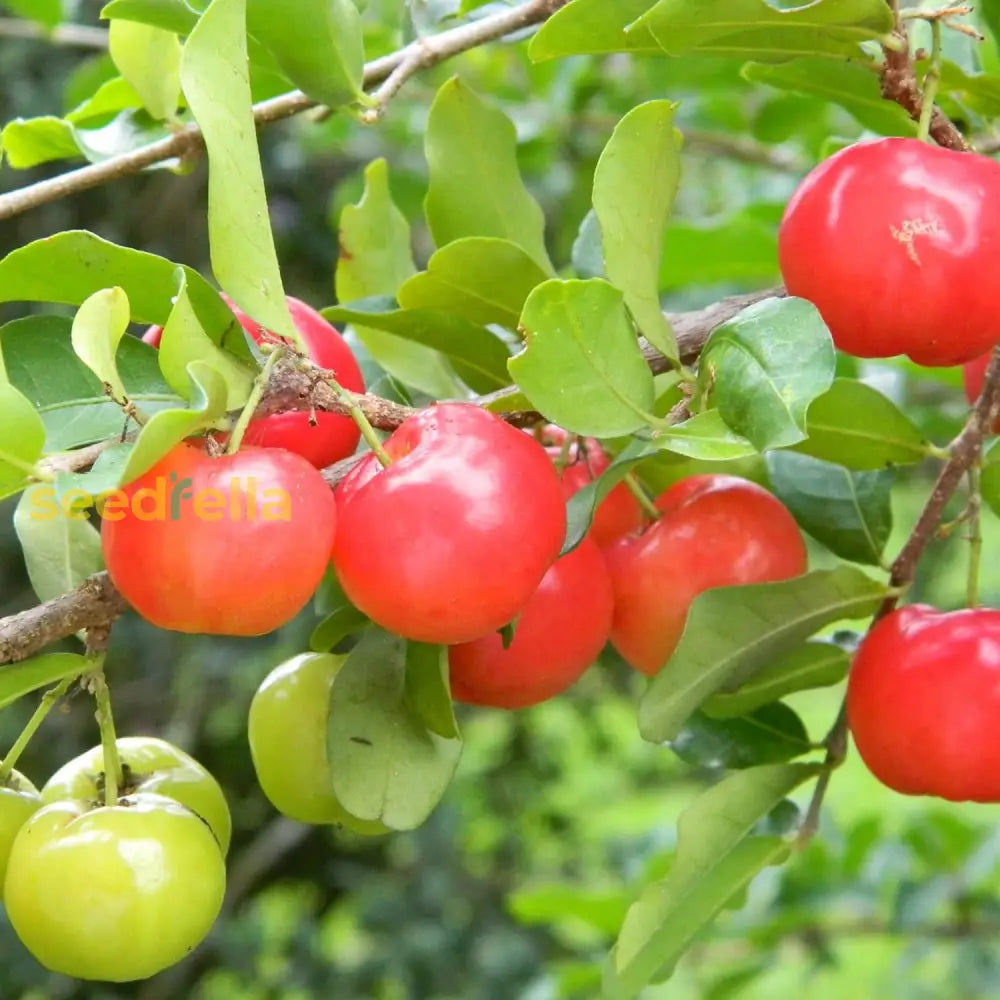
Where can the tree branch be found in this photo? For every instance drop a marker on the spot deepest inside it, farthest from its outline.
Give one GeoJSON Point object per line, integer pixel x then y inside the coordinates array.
{"type": "Point", "coordinates": [188, 140]}
{"type": "Point", "coordinates": [80, 35]}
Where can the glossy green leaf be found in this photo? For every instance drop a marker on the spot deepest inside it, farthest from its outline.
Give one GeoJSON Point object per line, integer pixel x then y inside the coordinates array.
{"type": "Point", "coordinates": [477, 355]}
{"type": "Point", "coordinates": [475, 186]}
{"type": "Point", "coordinates": [184, 340]}
{"type": "Point", "coordinates": [767, 735]}
{"type": "Point", "coordinates": [484, 279]}
{"type": "Point", "coordinates": [170, 427]}
{"type": "Point", "coordinates": [47, 13]}
{"type": "Point", "coordinates": [745, 369]}
{"type": "Point", "coordinates": [68, 397]}
{"type": "Point", "coordinates": [23, 439]}
{"type": "Point", "coordinates": [385, 763]}
{"type": "Point", "coordinates": [98, 327]}
{"type": "Point", "coordinates": [69, 267]}
{"type": "Point", "coordinates": [317, 44]}
{"type": "Point", "coordinates": [705, 436]}
{"type": "Point", "coordinates": [849, 512]}
{"type": "Point", "coordinates": [173, 15]}
{"type": "Point", "coordinates": [763, 621]}
{"type": "Point", "coordinates": [812, 665]}
{"type": "Point", "coordinates": [854, 425]}
{"type": "Point", "coordinates": [27, 142]}
{"type": "Point", "coordinates": [428, 688]}
{"type": "Point", "coordinates": [754, 29]}
{"type": "Point", "coordinates": [590, 27]}
{"type": "Point", "coordinates": [105, 474]}
{"type": "Point", "coordinates": [111, 97]}
{"type": "Point", "coordinates": [851, 85]}
{"type": "Point", "coordinates": [337, 626]}
{"type": "Point", "coordinates": [19, 679]}
{"type": "Point", "coordinates": [582, 366]}
{"type": "Point", "coordinates": [215, 79]}
{"type": "Point", "coordinates": [375, 258]}
{"type": "Point", "coordinates": [588, 252]}
{"type": "Point", "coordinates": [149, 58]}
{"type": "Point", "coordinates": [742, 246]}
{"type": "Point", "coordinates": [61, 547]}
{"type": "Point", "coordinates": [634, 187]}
{"type": "Point", "coordinates": [717, 857]}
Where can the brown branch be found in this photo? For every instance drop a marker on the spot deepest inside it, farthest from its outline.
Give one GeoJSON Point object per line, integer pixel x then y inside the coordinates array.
{"type": "Point", "coordinates": [964, 453]}
{"type": "Point", "coordinates": [188, 140]}
{"type": "Point", "coordinates": [80, 35]}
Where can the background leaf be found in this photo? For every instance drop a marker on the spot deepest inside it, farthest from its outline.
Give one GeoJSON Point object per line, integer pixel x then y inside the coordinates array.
{"type": "Point", "coordinates": [19, 679]}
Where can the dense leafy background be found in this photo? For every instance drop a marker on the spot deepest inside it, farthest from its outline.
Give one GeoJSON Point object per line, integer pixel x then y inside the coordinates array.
{"type": "Point", "coordinates": [518, 884]}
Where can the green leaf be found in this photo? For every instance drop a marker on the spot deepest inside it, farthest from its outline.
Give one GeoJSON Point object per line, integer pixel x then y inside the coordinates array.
{"type": "Point", "coordinates": [753, 29]}
{"type": "Point", "coordinates": [634, 187]}
{"type": "Point", "coordinates": [706, 437]}
{"type": "Point", "coordinates": [149, 58]}
{"type": "Point", "coordinates": [69, 267]}
{"type": "Point", "coordinates": [173, 15]}
{"type": "Point", "coordinates": [48, 13]}
{"type": "Point", "coordinates": [27, 142]}
{"type": "Point", "coordinates": [170, 427]}
{"type": "Point", "coordinates": [477, 355]}
{"type": "Point", "coordinates": [61, 547]}
{"type": "Point", "coordinates": [317, 44]}
{"type": "Point", "coordinates": [851, 85]}
{"type": "Point", "coordinates": [374, 258]}
{"type": "Point", "coordinates": [854, 425]}
{"type": "Point", "coordinates": [104, 475]}
{"type": "Point", "coordinates": [989, 481]}
{"type": "Point", "coordinates": [763, 621]}
{"type": "Point", "coordinates": [336, 627]}
{"type": "Point", "coordinates": [740, 247]}
{"type": "Point", "coordinates": [19, 679]}
{"type": "Point", "coordinates": [812, 665]}
{"type": "Point", "coordinates": [745, 368]}
{"type": "Point", "coordinates": [768, 735]}
{"type": "Point", "coordinates": [849, 512]}
{"type": "Point", "coordinates": [475, 187]}
{"type": "Point", "coordinates": [716, 859]}
{"type": "Point", "coordinates": [111, 97]}
{"type": "Point", "coordinates": [428, 688]}
{"type": "Point", "coordinates": [98, 327]}
{"type": "Point", "coordinates": [215, 79]}
{"type": "Point", "coordinates": [386, 764]}
{"type": "Point", "coordinates": [484, 279]}
{"type": "Point", "coordinates": [581, 365]}
{"type": "Point", "coordinates": [184, 340]}
{"type": "Point", "coordinates": [23, 439]}
{"type": "Point", "coordinates": [588, 252]}
{"type": "Point", "coordinates": [70, 400]}
{"type": "Point", "coordinates": [591, 27]}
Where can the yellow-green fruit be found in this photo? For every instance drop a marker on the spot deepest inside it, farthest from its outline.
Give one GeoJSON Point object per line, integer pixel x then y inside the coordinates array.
{"type": "Point", "coordinates": [287, 732]}
{"type": "Point", "coordinates": [19, 800]}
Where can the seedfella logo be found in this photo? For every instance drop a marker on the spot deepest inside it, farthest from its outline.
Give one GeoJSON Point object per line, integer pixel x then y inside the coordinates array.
{"type": "Point", "coordinates": [169, 499]}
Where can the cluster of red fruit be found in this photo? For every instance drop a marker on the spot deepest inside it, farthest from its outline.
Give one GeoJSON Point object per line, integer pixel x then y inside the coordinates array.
{"type": "Point", "coordinates": [114, 892]}
{"type": "Point", "coordinates": [896, 243]}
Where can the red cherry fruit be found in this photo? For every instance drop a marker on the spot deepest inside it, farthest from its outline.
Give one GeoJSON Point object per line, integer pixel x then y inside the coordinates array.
{"type": "Point", "coordinates": [619, 512]}
{"type": "Point", "coordinates": [450, 541]}
{"type": "Point", "coordinates": [229, 546]}
{"type": "Point", "coordinates": [558, 634]}
{"type": "Point", "coordinates": [716, 531]}
{"type": "Point", "coordinates": [896, 242]}
{"type": "Point", "coordinates": [923, 699]}
{"type": "Point", "coordinates": [153, 336]}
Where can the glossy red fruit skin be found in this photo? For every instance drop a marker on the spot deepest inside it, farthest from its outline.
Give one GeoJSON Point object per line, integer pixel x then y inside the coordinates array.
{"type": "Point", "coordinates": [450, 541]}
{"type": "Point", "coordinates": [895, 242]}
{"type": "Point", "coordinates": [923, 700]}
{"type": "Point", "coordinates": [333, 436]}
{"type": "Point", "coordinates": [716, 531]}
{"type": "Point", "coordinates": [558, 634]}
{"type": "Point", "coordinates": [245, 576]}
{"type": "Point", "coordinates": [619, 512]}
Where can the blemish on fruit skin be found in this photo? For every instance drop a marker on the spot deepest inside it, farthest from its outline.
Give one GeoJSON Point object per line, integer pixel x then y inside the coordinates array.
{"type": "Point", "coordinates": [913, 228]}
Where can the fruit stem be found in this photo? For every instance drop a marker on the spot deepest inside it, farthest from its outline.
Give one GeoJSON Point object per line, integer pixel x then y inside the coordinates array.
{"type": "Point", "coordinates": [364, 425]}
{"type": "Point", "coordinates": [975, 539]}
{"type": "Point", "coordinates": [109, 741]}
{"type": "Point", "coordinates": [931, 81]}
{"type": "Point", "coordinates": [256, 394]}
{"type": "Point", "coordinates": [45, 706]}
{"type": "Point", "coordinates": [642, 497]}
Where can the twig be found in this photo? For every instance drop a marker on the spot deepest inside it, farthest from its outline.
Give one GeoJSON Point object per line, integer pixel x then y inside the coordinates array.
{"type": "Point", "coordinates": [186, 141]}
{"type": "Point", "coordinates": [964, 453]}
{"type": "Point", "coordinates": [81, 35]}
